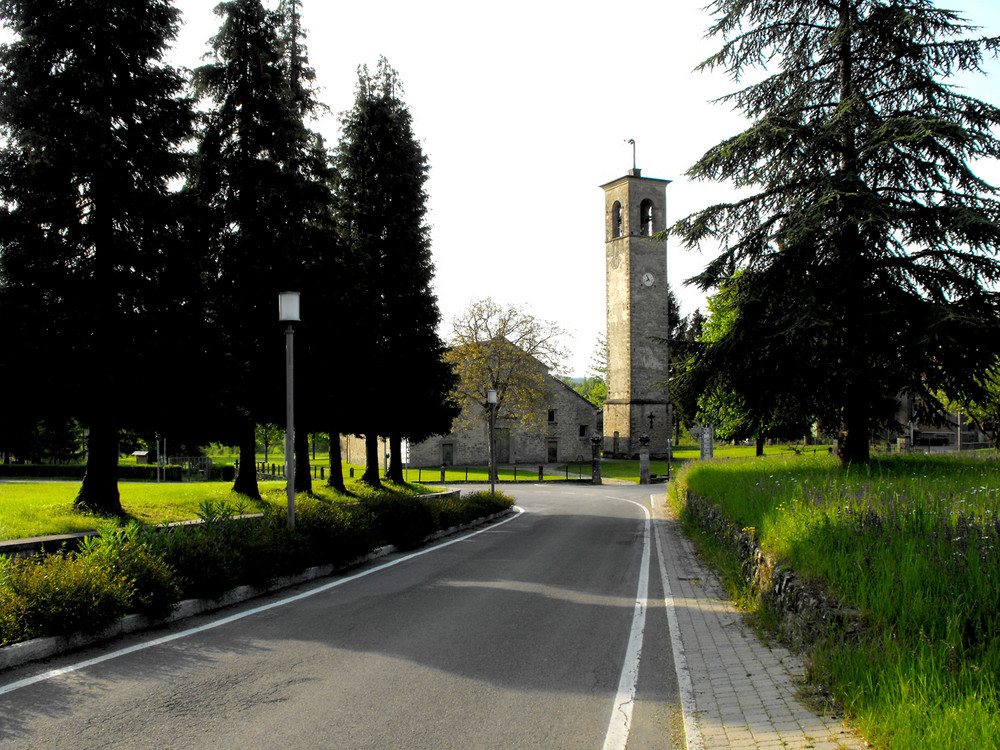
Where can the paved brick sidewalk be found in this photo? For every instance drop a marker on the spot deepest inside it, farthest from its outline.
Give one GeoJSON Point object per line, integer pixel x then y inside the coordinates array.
{"type": "Point", "coordinates": [742, 694]}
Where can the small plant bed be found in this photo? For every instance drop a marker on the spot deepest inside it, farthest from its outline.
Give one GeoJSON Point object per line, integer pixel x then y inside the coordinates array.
{"type": "Point", "coordinates": [136, 568]}
{"type": "Point", "coordinates": [909, 543]}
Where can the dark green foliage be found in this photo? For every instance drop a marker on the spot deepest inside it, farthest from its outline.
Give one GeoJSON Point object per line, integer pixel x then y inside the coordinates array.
{"type": "Point", "coordinates": [455, 511]}
{"type": "Point", "coordinates": [403, 522]}
{"type": "Point", "coordinates": [59, 594]}
{"type": "Point", "coordinates": [125, 553]}
{"type": "Point", "coordinates": [92, 121]}
{"type": "Point", "coordinates": [261, 182]}
{"type": "Point", "coordinates": [75, 471]}
{"type": "Point", "coordinates": [867, 244]}
{"type": "Point", "coordinates": [382, 205]}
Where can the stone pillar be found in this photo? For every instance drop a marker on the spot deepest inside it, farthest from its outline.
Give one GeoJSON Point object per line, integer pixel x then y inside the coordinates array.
{"type": "Point", "coordinates": [595, 458]}
{"type": "Point", "coordinates": [644, 459]}
{"type": "Point", "coordinates": [707, 441]}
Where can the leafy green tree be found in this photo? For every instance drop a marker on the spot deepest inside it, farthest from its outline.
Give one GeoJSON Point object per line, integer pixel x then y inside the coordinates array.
{"type": "Point", "coordinates": [683, 394]}
{"type": "Point", "coordinates": [508, 350]}
{"type": "Point", "coordinates": [92, 121]}
{"type": "Point", "coordinates": [382, 206]}
{"type": "Point", "coordinates": [724, 401]}
{"type": "Point", "coordinates": [675, 326]}
{"type": "Point", "coordinates": [868, 243]}
{"type": "Point", "coordinates": [594, 386]}
{"type": "Point", "coordinates": [323, 275]}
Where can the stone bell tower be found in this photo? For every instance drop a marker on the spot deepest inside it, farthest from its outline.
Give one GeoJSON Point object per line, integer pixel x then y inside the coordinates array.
{"type": "Point", "coordinates": [636, 264]}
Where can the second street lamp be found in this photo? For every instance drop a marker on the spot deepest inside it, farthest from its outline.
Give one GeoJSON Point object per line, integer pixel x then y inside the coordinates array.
{"type": "Point", "coordinates": [288, 312]}
{"type": "Point", "coordinates": [491, 398]}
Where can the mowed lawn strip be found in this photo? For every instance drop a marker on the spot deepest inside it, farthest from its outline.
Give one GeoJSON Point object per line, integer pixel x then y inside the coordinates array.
{"type": "Point", "coordinates": [30, 509]}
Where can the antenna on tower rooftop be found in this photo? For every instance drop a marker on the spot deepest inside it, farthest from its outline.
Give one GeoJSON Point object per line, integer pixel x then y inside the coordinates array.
{"type": "Point", "coordinates": [632, 141]}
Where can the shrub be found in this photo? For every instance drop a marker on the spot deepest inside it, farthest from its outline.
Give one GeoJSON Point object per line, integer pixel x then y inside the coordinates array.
{"type": "Point", "coordinates": [59, 594]}
{"type": "Point", "coordinates": [401, 520]}
{"type": "Point", "coordinates": [210, 558]}
{"type": "Point", "coordinates": [126, 551]}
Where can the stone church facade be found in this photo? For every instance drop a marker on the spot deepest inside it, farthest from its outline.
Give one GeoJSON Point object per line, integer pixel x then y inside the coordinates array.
{"type": "Point", "coordinates": [568, 423]}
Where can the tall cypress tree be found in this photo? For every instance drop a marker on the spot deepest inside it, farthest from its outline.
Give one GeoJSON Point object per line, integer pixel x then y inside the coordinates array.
{"type": "Point", "coordinates": [246, 176]}
{"type": "Point", "coordinates": [92, 121]}
{"type": "Point", "coordinates": [322, 278]}
{"type": "Point", "coordinates": [382, 202]}
{"type": "Point", "coordinates": [868, 244]}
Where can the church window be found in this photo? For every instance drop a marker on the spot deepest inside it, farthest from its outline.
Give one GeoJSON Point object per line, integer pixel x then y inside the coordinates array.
{"type": "Point", "coordinates": [646, 213]}
{"type": "Point", "coordinates": [552, 415]}
{"type": "Point", "coordinates": [616, 220]}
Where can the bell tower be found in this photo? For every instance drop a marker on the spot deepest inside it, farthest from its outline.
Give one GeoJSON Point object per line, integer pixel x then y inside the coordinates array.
{"type": "Point", "coordinates": [636, 264]}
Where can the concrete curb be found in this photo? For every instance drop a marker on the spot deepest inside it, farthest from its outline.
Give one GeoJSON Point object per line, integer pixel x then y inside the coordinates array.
{"type": "Point", "coordinates": [44, 648]}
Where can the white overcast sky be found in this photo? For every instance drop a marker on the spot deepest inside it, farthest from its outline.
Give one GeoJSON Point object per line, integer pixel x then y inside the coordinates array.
{"type": "Point", "coordinates": [523, 109]}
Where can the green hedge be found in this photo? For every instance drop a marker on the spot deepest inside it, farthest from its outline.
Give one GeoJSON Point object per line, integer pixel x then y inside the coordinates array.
{"type": "Point", "coordinates": [75, 471]}
{"type": "Point", "coordinates": [147, 569]}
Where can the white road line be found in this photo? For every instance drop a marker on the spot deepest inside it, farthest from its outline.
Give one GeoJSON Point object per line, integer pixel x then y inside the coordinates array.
{"type": "Point", "coordinates": [44, 676]}
{"type": "Point", "coordinates": [692, 734]}
{"type": "Point", "coordinates": [621, 714]}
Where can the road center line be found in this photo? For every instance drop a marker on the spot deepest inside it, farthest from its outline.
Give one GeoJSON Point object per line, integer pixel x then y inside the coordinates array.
{"type": "Point", "coordinates": [44, 676]}
{"type": "Point", "coordinates": [621, 715]}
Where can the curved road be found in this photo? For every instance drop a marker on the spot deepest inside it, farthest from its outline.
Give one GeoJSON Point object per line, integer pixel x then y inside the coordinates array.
{"type": "Point", "coordinates": [525, 635]}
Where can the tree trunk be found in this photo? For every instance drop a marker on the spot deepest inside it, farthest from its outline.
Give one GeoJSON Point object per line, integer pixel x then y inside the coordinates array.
{"type": "Point", "coordinates": [336, 479]}
{"type": "Point", "coordinates": [303, 476]}
{"type": "Point", "coordinates": [395, 473]}
{"type": "Point", "coordinates": [246, 477]}
{"type": "Point", "coordinates": [853, 446]}
{"type": "Point", "coordinates": [759, 445]}
{"type": "Point", "coordinates": [371, 477]}
{"type": "Point", "coordinates": [99, 491]}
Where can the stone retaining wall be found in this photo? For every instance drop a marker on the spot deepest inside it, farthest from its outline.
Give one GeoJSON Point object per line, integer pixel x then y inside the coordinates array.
{"type": "Point", "coordinates": [807, 613]}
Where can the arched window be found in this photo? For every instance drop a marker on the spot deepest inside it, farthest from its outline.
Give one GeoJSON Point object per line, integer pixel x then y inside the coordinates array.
{"type": "Point", "coordinates": [646, 214]}
{"type": "Point", "coordinates": [616, 220]}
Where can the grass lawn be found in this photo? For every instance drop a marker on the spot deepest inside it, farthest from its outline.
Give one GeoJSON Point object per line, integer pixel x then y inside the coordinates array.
{"type": "Point", "coordinates": [913, 543]}
{"type": "Point", "coordinates": [30, 509]}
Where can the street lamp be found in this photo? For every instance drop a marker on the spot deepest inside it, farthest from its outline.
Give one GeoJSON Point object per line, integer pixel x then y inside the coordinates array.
{"type": "Point", "coordinates": [491, 398]}
{"type": "Point", "coordinates": [288, 312]}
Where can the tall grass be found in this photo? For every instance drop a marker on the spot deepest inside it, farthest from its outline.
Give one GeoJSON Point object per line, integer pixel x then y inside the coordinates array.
{"type": "Point", "coordinates": [913, 543]}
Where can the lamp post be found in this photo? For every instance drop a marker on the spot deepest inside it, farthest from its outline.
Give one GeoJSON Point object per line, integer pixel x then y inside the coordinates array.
{"type": "Point", "coordinates": [288, 312]}
{"type": "Point", "coordinates": [491, 398]}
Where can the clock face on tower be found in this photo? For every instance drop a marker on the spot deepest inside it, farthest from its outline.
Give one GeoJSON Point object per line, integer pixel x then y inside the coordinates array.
{"type": "Point", "coordinates": [647, 279]}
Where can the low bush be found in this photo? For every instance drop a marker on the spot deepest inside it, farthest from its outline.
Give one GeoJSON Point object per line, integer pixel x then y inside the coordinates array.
{"type": "Point", "coordinates": [59, 594]}
{"type": "Point", "coordinates": [125, 552]}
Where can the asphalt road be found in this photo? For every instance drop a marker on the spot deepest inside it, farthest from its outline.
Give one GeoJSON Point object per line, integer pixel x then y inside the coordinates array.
{"type": "Point", "coordinates": [526, 635]}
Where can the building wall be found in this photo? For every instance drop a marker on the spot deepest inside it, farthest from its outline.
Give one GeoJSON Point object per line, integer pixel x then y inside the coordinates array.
{"type": "Point", "coordinates": [572, 415]}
